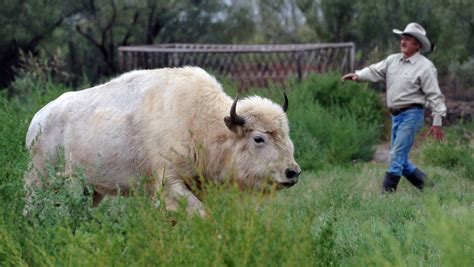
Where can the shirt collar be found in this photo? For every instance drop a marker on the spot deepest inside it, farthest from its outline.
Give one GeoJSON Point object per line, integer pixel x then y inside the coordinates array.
{"type": "Point", "coordinates": [411, 59]}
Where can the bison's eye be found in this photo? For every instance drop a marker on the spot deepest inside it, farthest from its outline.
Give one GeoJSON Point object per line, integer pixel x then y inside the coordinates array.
{"type": "Point", "coordinates": [258, 139]}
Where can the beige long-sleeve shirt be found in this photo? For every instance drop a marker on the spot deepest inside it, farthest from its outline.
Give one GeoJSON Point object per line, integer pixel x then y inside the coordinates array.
{"type": "Point", "coordinates": [409, 81]}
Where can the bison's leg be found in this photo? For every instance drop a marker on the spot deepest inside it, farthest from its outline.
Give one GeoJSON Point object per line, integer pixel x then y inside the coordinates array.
{"type": "Point", "coordinates": [97, 198]}
{"type": "Point", "coordinates": [174, 190]}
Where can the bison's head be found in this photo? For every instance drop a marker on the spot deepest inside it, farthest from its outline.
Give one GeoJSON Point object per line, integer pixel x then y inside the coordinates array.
{"type": "Point", "coordinates": [262, 151]}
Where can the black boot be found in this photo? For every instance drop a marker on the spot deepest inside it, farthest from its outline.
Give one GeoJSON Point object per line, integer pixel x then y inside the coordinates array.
{"type": "Point", "coordinates": [418, 179]}
{"type": "Point", "coordinates": [390, 182]}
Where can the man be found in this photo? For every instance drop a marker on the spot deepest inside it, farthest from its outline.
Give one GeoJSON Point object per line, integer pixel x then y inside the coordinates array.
{"type": "Point", "coordinates": [411, 83]}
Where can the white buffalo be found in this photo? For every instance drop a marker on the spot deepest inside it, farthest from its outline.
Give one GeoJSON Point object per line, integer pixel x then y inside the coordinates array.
{"type": "Point", "coordinates": [175, 126]}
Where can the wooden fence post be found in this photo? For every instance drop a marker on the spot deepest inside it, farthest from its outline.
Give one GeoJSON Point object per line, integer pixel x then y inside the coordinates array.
{"type": "Point", "coordinates": [352, 60]}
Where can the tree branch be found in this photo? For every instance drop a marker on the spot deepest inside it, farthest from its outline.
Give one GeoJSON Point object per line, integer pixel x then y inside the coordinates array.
{"type": "Point", "coordinates": [129, 31]}
{"type": "Point", "coordinates": [38, 37]}
{"type": "Point", "coordinates": [89, 37]}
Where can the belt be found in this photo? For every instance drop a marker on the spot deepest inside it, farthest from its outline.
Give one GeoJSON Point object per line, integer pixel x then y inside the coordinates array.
{"type": "Point", "coordinates": [396, 111]}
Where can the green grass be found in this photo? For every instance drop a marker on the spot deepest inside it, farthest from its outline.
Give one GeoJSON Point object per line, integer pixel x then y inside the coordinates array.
{"type": "Point", "coordinates": [335, 216]}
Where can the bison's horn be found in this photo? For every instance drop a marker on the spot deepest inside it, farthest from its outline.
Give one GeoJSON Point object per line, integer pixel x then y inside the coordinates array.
{"type": "Point", "coordinates": [236, 119]}
{"type": "Point", "coordinates": [285, 104]}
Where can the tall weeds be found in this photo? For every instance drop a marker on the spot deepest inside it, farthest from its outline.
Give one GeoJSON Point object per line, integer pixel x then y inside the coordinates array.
{"type": "Point", "coordinates": [335, 215]}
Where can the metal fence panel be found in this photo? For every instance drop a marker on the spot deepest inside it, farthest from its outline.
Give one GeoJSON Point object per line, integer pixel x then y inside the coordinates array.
{"type": "Point", "coordinates": [249, 65]}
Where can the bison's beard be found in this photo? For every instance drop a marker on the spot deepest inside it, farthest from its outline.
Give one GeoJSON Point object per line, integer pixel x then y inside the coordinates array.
{"type": "Point", "coordinates": [265, 184]}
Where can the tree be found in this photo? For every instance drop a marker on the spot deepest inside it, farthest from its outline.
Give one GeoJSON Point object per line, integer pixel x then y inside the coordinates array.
{"type": "Point", "coordinates": [331, 19]}
{"type": "Point", "coordinates": [25, 24]}
{"type": "Point", "coordinates": [281, 21]}
{"type": "Point", "coordinates": [106, 24]}
{"type": "Point", "coordinates": [212, 21]}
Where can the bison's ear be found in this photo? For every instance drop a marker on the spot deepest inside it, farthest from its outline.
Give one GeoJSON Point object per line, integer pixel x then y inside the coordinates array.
{"type": "Point", "coordinates": [233, 121]}
{"type": "Point", "coordinates": [228, 123]}
{"type": "Point", "coordinates": [231, 124]}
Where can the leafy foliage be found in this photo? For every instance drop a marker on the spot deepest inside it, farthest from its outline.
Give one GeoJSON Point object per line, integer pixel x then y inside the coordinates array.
{"type": "Point", "coordinates": [25, 26]}
{"type": "Point", "coordinates": [61, 199]}
{"type": "Point", "coordinates": [331, 123]}
{"type": "Point", "coordinates": [332, 217]}
{"type": "Point", "coordinates": [36, 73]}
{"type": "Point", "coordinates": [463, 80]}
{"type": "Point", "coordinates": [90, 32]}
{"type": "Point", "coordinates": [456, 153]}
{"type": "Point", "coordinates": [334, 122]}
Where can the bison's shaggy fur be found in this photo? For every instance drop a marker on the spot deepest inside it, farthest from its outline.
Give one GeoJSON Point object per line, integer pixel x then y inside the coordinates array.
{"type": "Point", "coordinates": [171, 125]}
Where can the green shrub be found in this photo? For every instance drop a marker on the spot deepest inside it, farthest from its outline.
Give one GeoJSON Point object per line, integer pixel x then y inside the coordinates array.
{"type": "Point", "coordinates": [355, 98]}
{"type": "Point", "coordinates": [330, 122]}
{"type": "Point", "coordinates": [15, 115]}
{"type": "Point", "coordinates": [13, 156]}
{"type": "Point", "coordinates": [336, 137]}
{"type": "Point", "coordinates": [456, 246]}
{"type": "Point", "coordinates": [38, 72]}
{"type": "Point", "coordinates": [434, 239]}
{"type": "Point", "coordinates": [323, 244]}
{"type": "Point", "coordinates": [61, 199]}
{"type": "Point", "coordinates": [333, 217]}
{"type": "Point", "coordinates": [455, 153]}
{"type": "Point", "coordinates": [336, 123]}
{"type": "Point", "coordinates": [464, 80]}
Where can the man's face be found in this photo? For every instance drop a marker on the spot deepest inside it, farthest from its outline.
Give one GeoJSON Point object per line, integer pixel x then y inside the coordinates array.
{"type": "Point", "coordinates": [409, 45]}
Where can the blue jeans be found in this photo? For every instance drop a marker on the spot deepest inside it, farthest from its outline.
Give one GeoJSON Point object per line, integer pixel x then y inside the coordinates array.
{"type": "Point", "coordinates": [404, 128]}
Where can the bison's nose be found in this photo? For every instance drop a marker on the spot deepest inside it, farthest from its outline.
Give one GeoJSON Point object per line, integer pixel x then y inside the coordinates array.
{"type": "Point", "coordinates": [291, 174]}
{"type": "Point", "coordinates": [292, 177]}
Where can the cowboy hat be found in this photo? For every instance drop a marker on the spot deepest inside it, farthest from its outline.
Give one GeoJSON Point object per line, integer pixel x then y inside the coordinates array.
{"type": "Point", "coordinates": [416, 30]}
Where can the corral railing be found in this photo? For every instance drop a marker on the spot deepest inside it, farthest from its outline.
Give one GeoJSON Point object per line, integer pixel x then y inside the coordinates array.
{"type": "Point", "coordinates": [249, 65]}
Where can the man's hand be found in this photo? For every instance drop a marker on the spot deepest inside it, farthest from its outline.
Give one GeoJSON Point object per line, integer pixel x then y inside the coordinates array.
{"type": "Point", "coordinates": [436, 132]}
{"type": "Point", "coordinates": [349, 76]}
